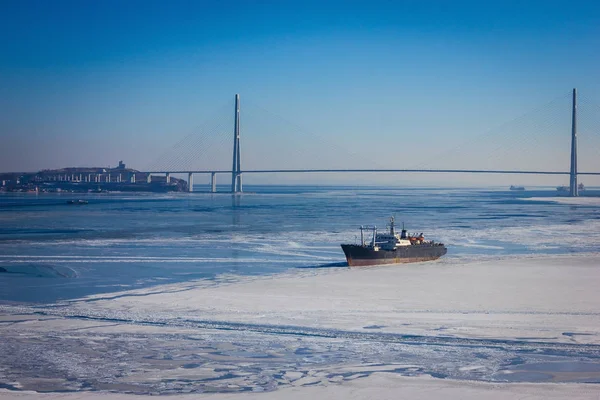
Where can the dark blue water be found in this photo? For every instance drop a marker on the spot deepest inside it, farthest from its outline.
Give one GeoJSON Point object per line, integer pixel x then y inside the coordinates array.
{"type": "Point", "coordinates": [50, 250]}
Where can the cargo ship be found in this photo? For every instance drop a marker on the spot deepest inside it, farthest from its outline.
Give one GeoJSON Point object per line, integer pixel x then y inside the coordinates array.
{"type": "Point", "coordinates": [391, 248]}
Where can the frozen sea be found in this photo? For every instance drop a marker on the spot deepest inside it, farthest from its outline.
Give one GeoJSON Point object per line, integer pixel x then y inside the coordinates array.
{"type": "Point", "coordinates": [50, 250]}
{"type": "Point", "coordinates": [221, 293]}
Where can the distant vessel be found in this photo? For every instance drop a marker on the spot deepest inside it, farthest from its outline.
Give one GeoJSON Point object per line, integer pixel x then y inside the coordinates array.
{"type": "Point", "coordinates": [77, 202]}
{"type": "Point", "coordinates": [516, 187]}
{"type": "Point", "coordinates": [566, 189]}
{"type": "Point", "coordinates": [391, 248]}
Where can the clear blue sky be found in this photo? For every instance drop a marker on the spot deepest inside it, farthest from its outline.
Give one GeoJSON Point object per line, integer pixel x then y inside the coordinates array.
{"type": "Point", "coordinates": [93, 82]}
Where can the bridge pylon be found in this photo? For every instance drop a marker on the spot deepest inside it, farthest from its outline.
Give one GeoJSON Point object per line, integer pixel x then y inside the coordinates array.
{"type": "Point", "coordinates": [573, 189]}
{"type": "Point", "coordinates": [236, 175]}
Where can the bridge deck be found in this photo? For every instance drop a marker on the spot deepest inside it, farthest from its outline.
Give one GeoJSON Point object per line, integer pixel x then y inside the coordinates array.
{"type": "Point", "coordinates": [463, 171]}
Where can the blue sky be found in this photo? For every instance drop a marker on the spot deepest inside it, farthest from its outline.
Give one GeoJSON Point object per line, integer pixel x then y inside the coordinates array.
{"type": "Point", "coordinates": [93, 82]}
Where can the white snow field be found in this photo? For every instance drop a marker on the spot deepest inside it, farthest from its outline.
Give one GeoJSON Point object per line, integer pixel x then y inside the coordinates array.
{"type": "Point", "coordinates": [526, 327]}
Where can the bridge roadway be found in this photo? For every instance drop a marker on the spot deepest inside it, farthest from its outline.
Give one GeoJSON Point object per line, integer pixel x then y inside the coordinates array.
{"type": "Point", "coordinates": [464, 171]}
{"type": "Point", "coordinates": [266, 171]}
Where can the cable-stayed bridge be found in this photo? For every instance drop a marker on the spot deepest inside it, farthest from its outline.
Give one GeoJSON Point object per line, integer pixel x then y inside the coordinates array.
{"type": "Point", "coordinates": [552, 131]}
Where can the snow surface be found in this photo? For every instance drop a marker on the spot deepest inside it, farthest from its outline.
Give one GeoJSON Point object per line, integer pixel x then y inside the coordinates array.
{"type": "Point", "coordinates": [379, 386]}
{"type": "Point", "coordinates": [539, 297]}
{"type": "Point", "coordinates": [378, 332]}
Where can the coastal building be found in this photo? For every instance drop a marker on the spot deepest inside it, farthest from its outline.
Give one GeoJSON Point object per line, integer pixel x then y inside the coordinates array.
{"type": "Point", "coordinates": [91, 179]}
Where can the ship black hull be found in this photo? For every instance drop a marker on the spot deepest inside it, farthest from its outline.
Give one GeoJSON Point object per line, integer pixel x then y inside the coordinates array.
{"type": "Point", "coordinates": [360, 256]}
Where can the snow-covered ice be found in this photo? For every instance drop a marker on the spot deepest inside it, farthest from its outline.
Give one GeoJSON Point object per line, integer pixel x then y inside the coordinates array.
{"type": "Point", "coordinates": [426, 329]}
